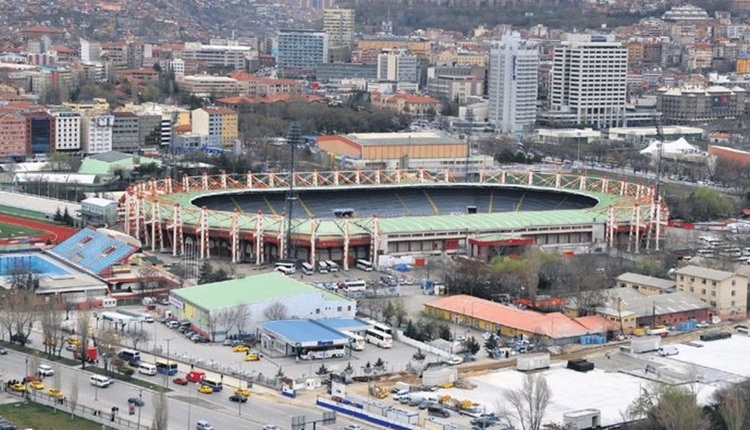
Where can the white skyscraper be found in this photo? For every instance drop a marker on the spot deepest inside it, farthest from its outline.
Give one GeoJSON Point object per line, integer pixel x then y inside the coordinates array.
{"type": "Point", "coordinates": [513, 83]}
{"type": "Point", "coordinates": [397, 65]}
{"type": "Point", "coordinates": [588, 83]}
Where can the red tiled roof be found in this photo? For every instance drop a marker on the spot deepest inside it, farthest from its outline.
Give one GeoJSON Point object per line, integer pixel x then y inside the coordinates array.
{"type": "Point", "coordinates": [553, 325]}
{"type": "Point", "coordinates": [219, 110]}
{"type": "Point", "coordinates": [597, 323]}
{"type": "Point", "coordinates": [63, 49]}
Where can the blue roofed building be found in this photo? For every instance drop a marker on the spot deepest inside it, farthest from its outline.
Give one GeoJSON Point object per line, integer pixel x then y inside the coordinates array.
{"type": "Point", "coordinates": [308, 339]}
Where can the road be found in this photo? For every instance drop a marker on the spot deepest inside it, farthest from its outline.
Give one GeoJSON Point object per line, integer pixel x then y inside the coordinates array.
{"type": "Point", "coordinates": [185, 404]}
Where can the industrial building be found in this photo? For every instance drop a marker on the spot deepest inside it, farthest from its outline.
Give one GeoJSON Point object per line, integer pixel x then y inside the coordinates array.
{"type": "Point", "coordinates": [294, 337]}
{"type": "Point", "coordinates": [239, 305]}
{"type": "Point", "coordinates": [389, 146]}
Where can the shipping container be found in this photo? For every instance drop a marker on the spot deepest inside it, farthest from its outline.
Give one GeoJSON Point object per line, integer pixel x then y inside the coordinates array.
{"type": "Point", "coordinates": [527, 362]}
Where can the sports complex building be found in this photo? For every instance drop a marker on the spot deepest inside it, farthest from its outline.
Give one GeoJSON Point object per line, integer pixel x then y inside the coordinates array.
{"type": "Point", "coordinates": [348, 215]}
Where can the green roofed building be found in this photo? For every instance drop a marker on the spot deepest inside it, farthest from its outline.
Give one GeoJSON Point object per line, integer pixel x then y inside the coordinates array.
{"type": "Point", "coordinates": [240, 305]}
{"type": "Point", "coordinates": [113, 163]}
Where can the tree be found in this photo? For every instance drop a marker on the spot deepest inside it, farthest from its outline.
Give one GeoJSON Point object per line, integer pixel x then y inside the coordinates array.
{"type": "Point", "coordinates": [227, 319]}
{"type": "Point", "coordinates": [529, 403]}
{"type": "Point", "coordinates": [73, 397]}
{"type": "Point", "coordinates": [137, 336]}
{"type": "Point", "coordinates": [472, 345]}
{"type": "Point", "coordinates": [444, 332]}
{"type": "Point", "coordinates": [491, 344]}
{"type": "Point", "coordinates": [732, 407]}
{"type": "Point", "coordinates": [57, 217]}
{"type": "Point", "coordinates": [106, 347]}
{"type": "Point", "coordinates": [708, 204]}
{"type": "Point", "coordinates": [84, 317]}
{"type": "Point", "coordinates": [243, 317]}
{"type": "Point", "coordinates": [669, 407]}
{"type": "Point", "coordinates": [51, 318]}
{"type": "Point", "coordinates": [275, 311]}
{"type": "Point", "coordinates": [587, 285]}
{"type": "Point", "coordinates": [21, 304]}
{"type": "Point", "coordinates": [161, 412]}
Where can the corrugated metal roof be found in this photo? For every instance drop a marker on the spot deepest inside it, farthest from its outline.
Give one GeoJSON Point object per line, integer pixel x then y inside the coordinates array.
{"type": "Point", "coordinates": [637, 278]}
{"type": "Point", "coordinates": [302, 331]}
{"type": "Point", "coordinates": [704, 272]}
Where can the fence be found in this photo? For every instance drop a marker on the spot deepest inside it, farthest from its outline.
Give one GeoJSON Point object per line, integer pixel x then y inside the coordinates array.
{"type": "Point", "coordinates": [108, 418]}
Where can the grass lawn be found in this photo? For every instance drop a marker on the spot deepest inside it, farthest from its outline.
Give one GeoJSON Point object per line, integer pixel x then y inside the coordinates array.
{"type": "Point", "coordinates": [9, 231]}
{"type": "Point", "coordinates": [31, 415]}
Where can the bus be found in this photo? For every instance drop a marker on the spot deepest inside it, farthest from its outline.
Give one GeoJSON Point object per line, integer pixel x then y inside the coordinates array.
{"type": "Point", "coordinates": [357, 342]}
{"type": "Point", "coordinates": [322, 267]}
{"type": "Point", "coordinates": [378, 338]}
{"type": "Point", "coordinates": [285, 267]}
{"type": "Point", "coordinates": [380, 327]}
{"type": "Point", "coordinates": [136, 315]}
{"type": "Point", "coordinates": [130, 356]}
{"type": "Point", "coordinates": [166, 368]}
{"type": "Point", "coordinates": [332, 267]}
{"type": "Point", "coordinates": [308, 269]}
{"type": "Point", "coordinates": [352, 285]}
{"type": "Point", "coordinates": [364, 265]}
{"type": "Point", "coordinates": [323, 353]}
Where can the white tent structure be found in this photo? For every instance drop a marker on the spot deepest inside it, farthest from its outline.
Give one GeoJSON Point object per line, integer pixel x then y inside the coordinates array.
{"type": "Point", "coordinates": [679, 146]}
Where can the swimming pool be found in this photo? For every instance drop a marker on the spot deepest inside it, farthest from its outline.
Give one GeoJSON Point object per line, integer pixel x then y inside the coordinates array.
{"type": "Point", "coordinates": [10, 264]}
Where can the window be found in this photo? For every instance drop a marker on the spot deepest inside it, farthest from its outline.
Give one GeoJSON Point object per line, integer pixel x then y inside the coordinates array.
{"type": "Point", "coordinates": [734, 293]}
{"type": "Point", "coordinates": [703, 281]}
{"type": "Point", "coordinates": [338, 309]}
{"type": "Point", "coordinates": [733, 282]}
{"type": "Point", "coordinates": [713, 304]}
{"type": "Point", "coordinates": [732, 302]}
{"type": "Point", "coordinates": [703, 291]}
{"type": "Point", "coordinates": [713, 293]}
{"type": "Point", "coordinates": [692, 289]}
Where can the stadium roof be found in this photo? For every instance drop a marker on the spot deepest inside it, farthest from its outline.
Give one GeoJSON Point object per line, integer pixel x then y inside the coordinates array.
{"type": "Point", "coordinates": [258, 288]}
{"type": "Point", "coordinates": [419, 138]}
{"type": "Point", "coordinates": [304, 332]}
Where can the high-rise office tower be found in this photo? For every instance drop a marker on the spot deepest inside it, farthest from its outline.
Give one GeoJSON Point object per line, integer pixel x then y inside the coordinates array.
{"type": "Point", "coordinates": [300, 51]}
{"type": "Point", "coordinates": [338, 24]}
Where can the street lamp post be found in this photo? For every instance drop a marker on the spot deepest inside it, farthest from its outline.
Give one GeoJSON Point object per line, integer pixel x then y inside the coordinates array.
{"type": "Point", "coordinates": [140, 397]}
{"type": "Point", "coordinates": [190, 403]}
{"type": "Point", "coordinates": [166, 374]}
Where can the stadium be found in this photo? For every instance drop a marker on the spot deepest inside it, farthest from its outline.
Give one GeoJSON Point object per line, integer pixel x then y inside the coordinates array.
{"type": "Point", "coordinates": [344, 216]}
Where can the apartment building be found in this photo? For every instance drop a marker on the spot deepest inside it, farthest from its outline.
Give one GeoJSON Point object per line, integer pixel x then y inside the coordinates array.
{"type": "Point", "coordinates": [699, 104]}
{"type": "Point", "coordinates": [13, 139]}
{"type": "Point", "coordinates": [398, 65]}
{"type": "Point", "coordinates": [224, 53]}
{"type": "Point", "coordinates": [219, 124]}
{"type": "Point", "coordinates": [208, 86]}
{"type": "Point", "coordinates": [726, 292]}
{"type": "Point", "coordinates": [125, 132]}
{"type": "Point", "coordinates": [455, 87]}
{"type": "Point", "coordinates": [513, 84]}
{"type": "Point", "coordinates": [300, 51]}
{"type": "Point", "coordinates": [338, 24]}
{"type": "Point", "coordinates": [66, 126]}
{"type": "Point", "coordinates": [588, 82]}
{"type": "Point", "coordinates": [96, 133]}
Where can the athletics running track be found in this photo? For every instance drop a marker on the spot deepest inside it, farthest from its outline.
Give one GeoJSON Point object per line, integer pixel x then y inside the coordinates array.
{"type": "Point", "coordinates": [54, 233]}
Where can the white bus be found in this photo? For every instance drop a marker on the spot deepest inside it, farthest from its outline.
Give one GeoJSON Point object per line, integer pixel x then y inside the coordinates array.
{"type": "Point", "coordinates": [380, 327]}
{"type": "Point", "coordinates": [709, 241]}
{"type": "Point", "coordinates": [352, 285]}
{"type": "Point", "coordinates": [379, 338]}
{"type": "Point", "coordinates": [332, 267]}
{"type": "Point", "coordinates": [285, 267]}
{"type": "Point", "coordinates": [364, 265]}
{"type": "Point", "coordinates": [308, 269]}
{"type": "Point", "coordinates": [357, 341]}
{"type": "Point", "coordinates": [322, 267]}
{"type": "Point", "coordinates": [323, 353]}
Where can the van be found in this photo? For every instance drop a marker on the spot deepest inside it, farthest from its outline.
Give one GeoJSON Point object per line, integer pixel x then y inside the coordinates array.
{"type": "Point", "coordinates": [172, 324]}
{"type": "Point", "coordinates": [668, 350]}
{"type": "Point", "coordinates": [147, 369]}
{"type": "Point", "coordinates": [195, 376]}
{"type": "Point", "coordinates": [438, 411]}
{"type": "Point", "coordinates": [100, 381]}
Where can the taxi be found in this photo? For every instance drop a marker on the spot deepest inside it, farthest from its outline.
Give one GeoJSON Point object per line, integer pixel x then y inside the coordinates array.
{"type": "Point", "coordinates": [205, 389]}
{"type": "Point", "coordinates": [37, 385]}
{"type": "Point", "coordinates": [54, 392]}
{"type": "Point", "coordinates": [240, 348]}
{"type": "Point", "coordinates": [242, 392]}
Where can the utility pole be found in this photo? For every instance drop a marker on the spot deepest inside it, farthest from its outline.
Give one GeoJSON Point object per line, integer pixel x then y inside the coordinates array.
{"type": "Point", "coordinates": [470, 118]}
{"type": "Point", "coordinates": [293, 138]}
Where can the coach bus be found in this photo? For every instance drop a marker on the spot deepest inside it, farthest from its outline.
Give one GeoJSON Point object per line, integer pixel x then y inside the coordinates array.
{"type": "Point", "coordinates": [364, 265]}
{"type": "Point", "coordinates": [332, 266]}
{"type": "Point", "coordinates": [323, 353]}
{"type": "Point", "coordinates": [322, 267]}
{"type": "Point", "coordinates": [380, 327]}
{"type": "Point", "coordinates": [357, 342]}
{"type": "Point", "coordinates": [378, 338]}
{"type": "Point", "coordinates": [353, 285]}
{"type": "Point", "coordinates": [308, 269]}
{"type": "Point", "coordinates": [166, 368]}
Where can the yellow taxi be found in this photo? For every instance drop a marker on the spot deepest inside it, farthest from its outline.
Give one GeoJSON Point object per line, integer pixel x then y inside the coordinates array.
{"type": "Point", "coordinates": [252, 356]}
{"type": "Point", "coordinates": [37, 385]}
{"type": "Point", "coordinates": [54, 392]}
{"type": "Point", "coordinates": [18, 387]}
{"type": "Point", "coordinates": [242, 392]}
{"type": "Point", "coordinates": [74, 341]}
{"type": "Point", "coordinates": [240, 348]}
{"type": "Point", "coordinates": [205, 389]}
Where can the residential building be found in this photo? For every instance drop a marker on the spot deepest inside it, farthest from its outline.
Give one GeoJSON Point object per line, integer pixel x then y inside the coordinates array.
{"type": "Point", "coordinates": [208, 85]}
{"type": "Point", "coordinates": [177, 66]}
{"type": "Point", "coordinates": [699, 104]}
{"type": "Point", "coordinates": [338, 24]}
{"type": "Point", "coordinates": [13, 135]}
{"type": "Point", "coordinates": [300, 51]}
{"type": "Point", "coordinates": [398, 65]}
{"type": "Point", "coordinates": [646, 285]}
{"type": "Point", "coordinates": [96, 133]}
{"type": "Point", "coordinates": [218, 53]}
{"type": "Point", "coordinates": [125, 132]}
{"type": "Point", "coordinates": [685, 13]}
{"type": "Point", "coordinates": [39, 132]}
{"type": "Point", "coordinates": [588, 82]}
{"type": "Point", "coordinates": [419, 46]}
{"type": "Point", "coordinates": [66, 126]}
{"type": "Point", "coordinates": [513, 84]}
{"type": "Point", "coordinates": [457, 88]}
{"type": "Point", "coordinates": [219, 124]}
{"type": "Point", "coordinates": [90, 51]}
{"type": "Point", "coordinates": [726, 292]}
{"type": "Point", "coordinates": [410, 104]}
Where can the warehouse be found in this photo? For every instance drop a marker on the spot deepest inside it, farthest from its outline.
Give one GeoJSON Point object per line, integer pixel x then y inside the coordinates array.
{"type": "Point", "coordinates": [240, 305]}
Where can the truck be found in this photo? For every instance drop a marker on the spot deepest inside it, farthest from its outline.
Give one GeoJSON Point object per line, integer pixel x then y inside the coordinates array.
{"type": "Point", "coordinates": [639, 345]}
{"type": "Point", "coordinates": [91, 354]}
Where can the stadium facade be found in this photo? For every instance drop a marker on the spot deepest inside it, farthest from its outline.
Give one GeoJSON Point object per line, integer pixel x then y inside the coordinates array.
{"type": "Point", "coordinates": [164, 215]}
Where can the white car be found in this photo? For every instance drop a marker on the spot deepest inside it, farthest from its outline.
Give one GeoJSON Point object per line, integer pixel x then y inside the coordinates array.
{"type": "Point", "coordinates": [353, 427]}
{"type": "Point", "coordinates": [45, 370]}
{"type": "Point", "coordinates": [203, 425]}
{"type": "Point", "coordinates": [455, 360]}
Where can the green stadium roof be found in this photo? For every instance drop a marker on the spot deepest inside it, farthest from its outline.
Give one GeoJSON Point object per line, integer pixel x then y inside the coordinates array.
{"type": "Point", "coordinates": [258, 288]}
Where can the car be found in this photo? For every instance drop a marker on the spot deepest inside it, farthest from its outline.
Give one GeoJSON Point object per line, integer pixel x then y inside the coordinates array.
{"type": "Point", "coordinates": [54, 392]}
{"type": "Point", "coordinates": [203, 425]}
{"type": "Point", "coordinates": [242, 392]}
{"type": "Point", "coordinates": [205, 389]}
{"type": "Point", "coordinates": [18, 387]}
{"type": "Point", "coordinates": [136, 401]}
{"type": "Point", "coordinates": [188, 334]}
{"type": "Point", "coordinates": [227, 342]}
{"type": "Point", "coordinates": [180, 381]}
{"type": "Point", "coordinates": [70, 347]}
{"type": "Point", "coordinates": [73, 341]}
{"type": "Point", "coordinates": [162, 301]}
{"type": "Point", "coordinates": [270, 427]}
{"type": "Point", "coordinates": [3, 351]}
{"type": "Point", "coordinates": [252, 356]}
{"type": "Point", "coordinates": [240, 348]}
{"type": "Point", "coordinates": [37, 385]}
{"type": "Point", "coordinates": [238, 398]}
{"type": "Point", "coordinates": [45, 370]}
{"type": "Point", "coordinates": [353, 427]}
{"type": "Point", "coordinates": [454, 360]}
{"type": "Point", "coordinates": [30, 378]}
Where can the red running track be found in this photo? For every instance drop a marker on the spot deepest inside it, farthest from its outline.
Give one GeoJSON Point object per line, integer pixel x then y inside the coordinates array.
{"type": "Point", "coordinates": [55, 233]}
